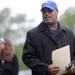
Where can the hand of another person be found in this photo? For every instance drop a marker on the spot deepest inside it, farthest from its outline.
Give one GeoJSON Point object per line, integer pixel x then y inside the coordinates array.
{"type": "Point", "coordinates": [2, 47]}
{"type": "Point", "coordinates": [70, 69]}
{"type": "Point", "coordinates": [52, 69]}
{"type": "Point", "coordinates": [1, 54]}
{"type": "Point", "coordinates": [8, 54]}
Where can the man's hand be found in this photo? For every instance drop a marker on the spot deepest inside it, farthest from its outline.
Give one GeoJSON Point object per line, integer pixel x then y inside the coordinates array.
{"type": "Point", "coordinates": [52, 69]}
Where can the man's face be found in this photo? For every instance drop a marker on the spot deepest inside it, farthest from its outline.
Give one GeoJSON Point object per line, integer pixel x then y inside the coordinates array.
{"type": "Point", "coordinates": [49, 16]}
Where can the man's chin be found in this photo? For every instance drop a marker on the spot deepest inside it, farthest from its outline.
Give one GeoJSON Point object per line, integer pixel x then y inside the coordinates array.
{"type": "Point", "coordinates": [48, 22]}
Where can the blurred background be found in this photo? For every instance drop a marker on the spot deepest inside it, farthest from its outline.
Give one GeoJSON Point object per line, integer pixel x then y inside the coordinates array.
{"type": "Point", "coordinates": [19, 16]}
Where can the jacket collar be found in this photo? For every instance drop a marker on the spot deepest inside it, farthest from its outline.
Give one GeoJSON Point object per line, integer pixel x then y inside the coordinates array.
{"type": "Point", "coordinates": [44, 27]}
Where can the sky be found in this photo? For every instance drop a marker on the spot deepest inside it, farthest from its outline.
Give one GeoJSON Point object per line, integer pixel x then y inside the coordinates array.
{"type": "Point", "coordinates": [32, 7]}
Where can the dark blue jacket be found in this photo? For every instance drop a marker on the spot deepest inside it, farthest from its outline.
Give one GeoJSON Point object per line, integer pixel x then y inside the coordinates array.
{"type": "Point", "coordinates": [9, 68]}
{"type": "Point", "coordinates": [39, 44]}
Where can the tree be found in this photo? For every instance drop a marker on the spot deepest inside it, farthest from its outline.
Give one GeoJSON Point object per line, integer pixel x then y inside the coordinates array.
{"type": "Point", "coordinates": [68, 18]}
{"type": "Point", "coordinates": [7, 21]}
{"type": "Point", "coordinates": [14, 26]}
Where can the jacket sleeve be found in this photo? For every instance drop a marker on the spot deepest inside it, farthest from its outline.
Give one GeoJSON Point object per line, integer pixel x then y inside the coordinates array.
{"type": "Point", "coordinates": [15, 69]}
{"type": "Point", "coordinates": [11, 67]}
{"type": "Point", "coordinates": [73, 58]}
{"type": "Point", "coordinates": [30, 59]}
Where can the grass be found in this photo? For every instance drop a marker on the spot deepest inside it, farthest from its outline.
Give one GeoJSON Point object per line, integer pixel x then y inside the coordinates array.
{"type": "Point", "coordinates": [19, 50]}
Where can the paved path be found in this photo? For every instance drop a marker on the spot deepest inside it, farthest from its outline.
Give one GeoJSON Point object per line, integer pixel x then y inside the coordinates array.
{"type": "Point", "coordinates": [26, 72]}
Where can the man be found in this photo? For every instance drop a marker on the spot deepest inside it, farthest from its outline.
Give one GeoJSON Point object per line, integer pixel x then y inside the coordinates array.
{"type": "Point", "coordinates": [42, 40]}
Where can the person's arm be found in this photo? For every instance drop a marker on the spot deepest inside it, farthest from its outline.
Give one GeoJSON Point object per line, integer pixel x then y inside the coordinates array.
{"type": "Point", "coordinates": [72, 68]}
{"type": "Point", "coordinates": [30, 59]}
{"type": "Point", "coordinates": [15, 69]}
{"type": "Point", "coordinates": [73, 56]}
